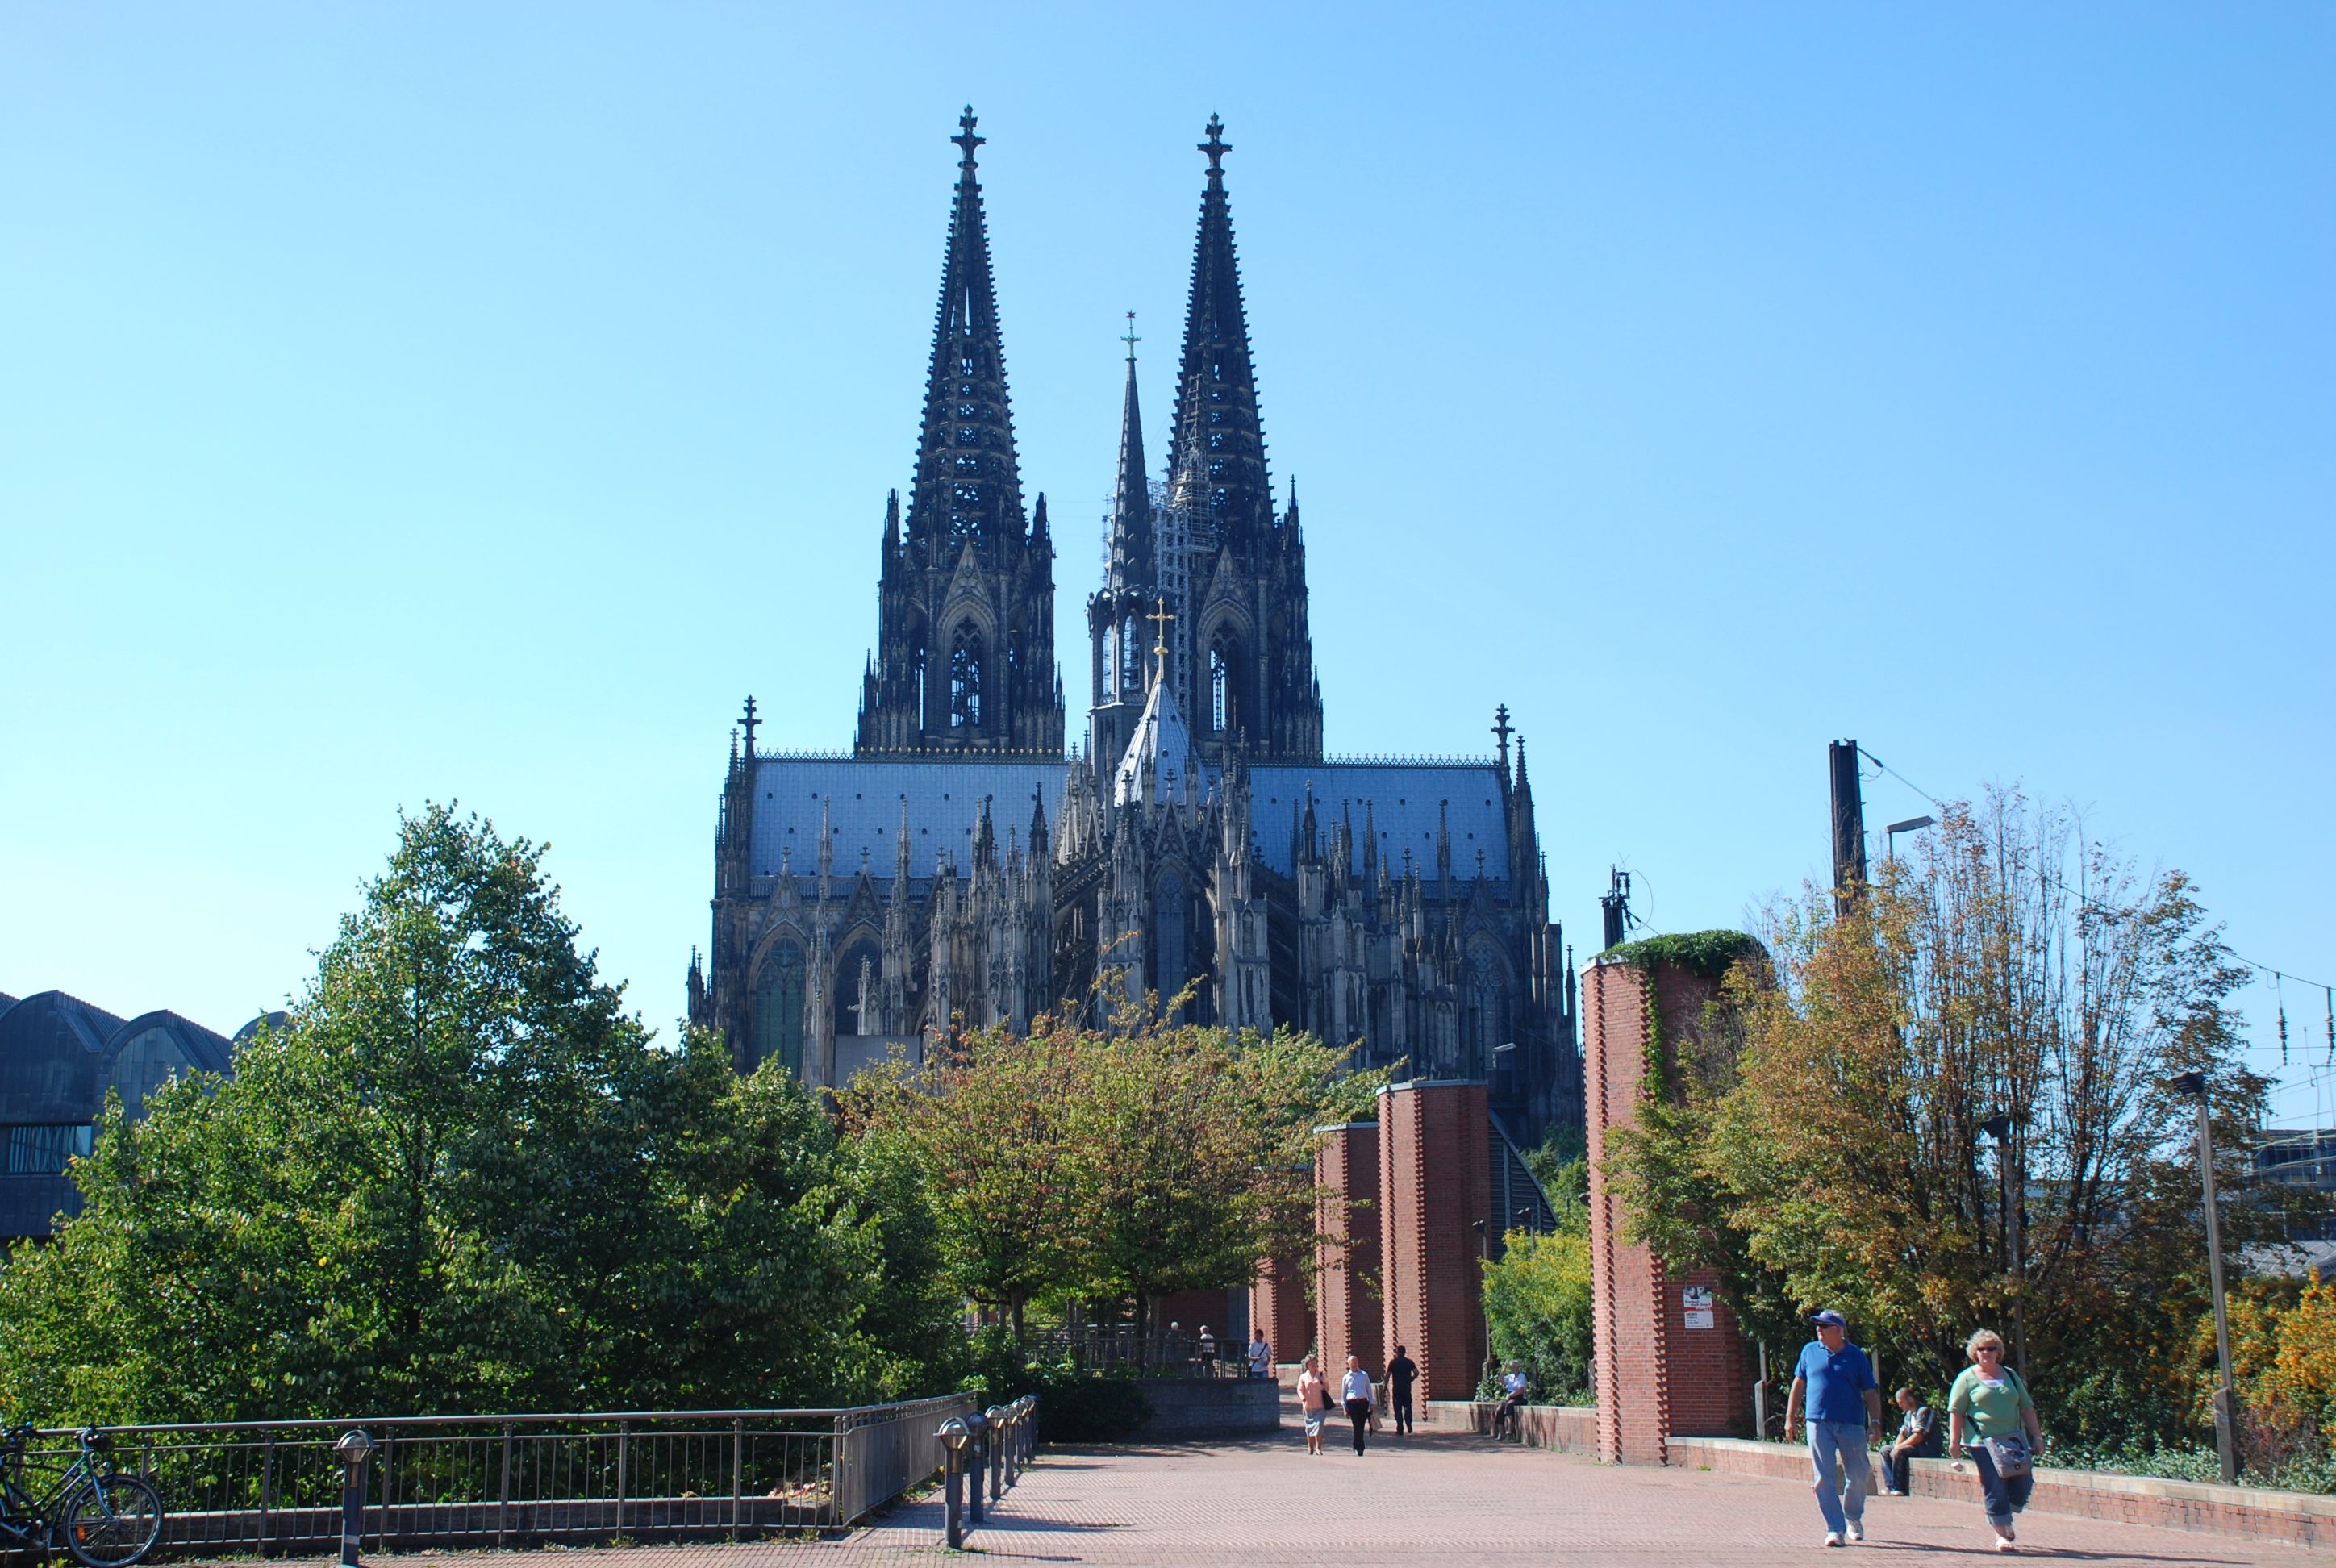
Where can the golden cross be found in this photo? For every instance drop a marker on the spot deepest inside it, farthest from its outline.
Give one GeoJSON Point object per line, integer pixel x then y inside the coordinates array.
{"type": "Point", "coordinates": [1160, 619]}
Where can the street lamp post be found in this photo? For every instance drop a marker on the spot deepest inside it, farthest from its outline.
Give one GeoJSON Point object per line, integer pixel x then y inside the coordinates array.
{"type": "Point", "coordinates": [2014, 1191]}
{"type": "Point", "coordinates": [1911, 825]}
{"type": "Point", "coordinates": [2227, 1442]}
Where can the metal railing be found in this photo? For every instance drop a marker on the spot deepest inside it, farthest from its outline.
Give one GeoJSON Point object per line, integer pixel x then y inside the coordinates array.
{"type": "Point", "coordinates": [515, 1480]}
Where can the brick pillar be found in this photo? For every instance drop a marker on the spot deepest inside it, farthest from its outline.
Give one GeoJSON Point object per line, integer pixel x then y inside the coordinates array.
{"type": "Point", "coordinates": [1436, 1185]}
{"type": "Point", "coordinates": [1669, 1359]}
{"type": "Point", "coordinates": [1347, 1275]}
{"type": "Point", "coordinates": [1277, 1304]}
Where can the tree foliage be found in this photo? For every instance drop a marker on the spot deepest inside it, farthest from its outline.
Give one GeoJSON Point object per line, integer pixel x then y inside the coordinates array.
{"type": "Point", "coordinates": [1071, 1164]}
{"type": "Point", "coordinates": [461, 1178]}
{"type": "Point", "coordinates": [1821, 1140]}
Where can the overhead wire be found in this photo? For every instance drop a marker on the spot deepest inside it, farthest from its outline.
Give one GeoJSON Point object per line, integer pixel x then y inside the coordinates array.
{"type": "Point", "coordinates": [2314, 1077]}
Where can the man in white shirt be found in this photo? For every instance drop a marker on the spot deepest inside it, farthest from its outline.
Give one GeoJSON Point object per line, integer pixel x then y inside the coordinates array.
{"type": "Point", "coordinates": [1357, 1391]}
{"type": "Point", "coordinates": [1260, 1355]}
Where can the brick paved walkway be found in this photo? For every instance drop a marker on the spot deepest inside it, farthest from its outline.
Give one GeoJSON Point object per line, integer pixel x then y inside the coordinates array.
{"type": "Point", "coordinates": [1429, 1502]}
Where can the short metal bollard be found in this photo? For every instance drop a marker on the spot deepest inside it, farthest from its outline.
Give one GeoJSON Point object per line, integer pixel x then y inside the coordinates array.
{"type": "Point", "coordinates": [954, 1436]}
{"type": "Point", "coordinates": [996, 1452]}
{"type": "Point", "coordinates": [1013, 1439]}
{"type": "Point", "coordinates": [354, 1450]}
{"type": "Point", "coordinates": [977, 1462]}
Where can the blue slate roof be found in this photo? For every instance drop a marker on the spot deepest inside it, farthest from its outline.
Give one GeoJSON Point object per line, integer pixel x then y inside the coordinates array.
{"type": "Point", "coordinates": [864, 804]}
{"type": "Point", "coordinates": [1404, 799]}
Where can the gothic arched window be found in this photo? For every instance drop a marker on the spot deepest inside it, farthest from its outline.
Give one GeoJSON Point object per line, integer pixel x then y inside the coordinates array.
{"type": "Point", "coordinates": [1168, 934]}
{"type": "Point", "coordinates": [779, 1008]}
{"type": "Point", "coordinates": [1131, 670]}
{"type": "Point", "coordinates": [860, 959]}
{"type": "Point", "coordinates": [1225, 682]}
{"type": "Point", "coordinates": [965, 678]}
{"type": "Point", "coordinates": [1485, 1022]}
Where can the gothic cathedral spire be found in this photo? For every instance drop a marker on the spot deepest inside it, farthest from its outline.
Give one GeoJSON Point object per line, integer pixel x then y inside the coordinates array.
{"type": "Point", "coordinates": [1244, 654]}
{"type": "Point", "coordinates": [964, 639]}
{"type": "Point", "coordinates": [1217, 469]}
{"type": "Point", "coordinates": [969, 483]}
{"type": "Point", "coordinates": [1117, 662]}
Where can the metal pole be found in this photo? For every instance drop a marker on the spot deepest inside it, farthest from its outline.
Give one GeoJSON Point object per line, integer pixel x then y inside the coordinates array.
{"type": "Point", "coordinates": [502, 1493]}
{"type": "Point", "coordinates": [978, 1453]}
{"type": "Point", "coordinates": [624, 1456]}
{"type": "Point", "coordinates": [2226, 1425]}
{"type": "Point", "coordinates": [354, 1450]}
{"type": "Point", "coordinates": [954, 1435]}
{"type": "Point", "coordinates": [737, 1473]}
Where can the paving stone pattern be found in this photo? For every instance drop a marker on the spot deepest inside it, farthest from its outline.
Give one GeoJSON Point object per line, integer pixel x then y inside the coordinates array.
{"type": "Point", "coordinates": [1436, 1499]}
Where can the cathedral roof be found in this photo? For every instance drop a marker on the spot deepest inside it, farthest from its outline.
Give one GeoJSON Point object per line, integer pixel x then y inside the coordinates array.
{"type": "Point", "coordinates": [862, 800]}
{"type": "Point", "coordinates": [1410, 803]}
{"type": "Point", "coordinates": [1161, 764]}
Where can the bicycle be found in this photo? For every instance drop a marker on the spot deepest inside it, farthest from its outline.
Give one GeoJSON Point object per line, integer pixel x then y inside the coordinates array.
{"type": "Point", "coordinates": [105, 1518]}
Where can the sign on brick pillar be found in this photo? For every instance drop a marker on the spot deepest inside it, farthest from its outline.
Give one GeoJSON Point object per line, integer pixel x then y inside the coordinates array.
{"type": "Point", "coordinates": [1346, 1269]}
{"type": "Point", "coordinates": [1277, 1304]}
{"type": "Point", "coordinates": [1669, 1359]}
{"type": "Point", "coordinates": [1436, 1188]}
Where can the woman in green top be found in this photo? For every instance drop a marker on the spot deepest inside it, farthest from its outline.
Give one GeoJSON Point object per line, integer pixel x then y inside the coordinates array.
{"type": "Point", "coordinates": [1993, 1419]}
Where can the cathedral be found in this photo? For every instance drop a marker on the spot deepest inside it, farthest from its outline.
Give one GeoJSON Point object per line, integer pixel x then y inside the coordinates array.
{"type": "Point", "coordinates": [962, 867]}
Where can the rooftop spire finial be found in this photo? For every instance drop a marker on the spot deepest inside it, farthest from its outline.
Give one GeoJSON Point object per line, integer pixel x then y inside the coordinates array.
{"type": "Point", "coordinates": [750, 727]}
{"type": "Point", "coordinates": [965, 138]}
{"type": "Point", "coordinates": [1160, 617]}
{"type": "Point", "coordinates": [1130, 338]}
{"type": "Point", "coordinates": [1216, 146]}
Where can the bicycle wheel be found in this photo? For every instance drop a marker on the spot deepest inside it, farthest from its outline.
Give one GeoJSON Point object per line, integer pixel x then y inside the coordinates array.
{"type": "Point", "coordinates": [112, 1521]}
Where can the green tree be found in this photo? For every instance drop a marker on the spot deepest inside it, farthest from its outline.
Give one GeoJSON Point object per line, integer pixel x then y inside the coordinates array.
{"type": "Point", "coordinates": [1537, 1308]}
{"type": "Point", "coordinates": [461, 1178]}
{"type": "Point", "coordinates": [1821, 1140]}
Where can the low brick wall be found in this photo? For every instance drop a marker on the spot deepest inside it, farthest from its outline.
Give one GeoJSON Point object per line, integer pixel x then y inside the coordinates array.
{"type": "Point", "coordinates": [1566, 1428]}
{"type": "Point", "coordinates": [2242, 1513]}
{"type": "Point", "coordinates": [1184, 1409]}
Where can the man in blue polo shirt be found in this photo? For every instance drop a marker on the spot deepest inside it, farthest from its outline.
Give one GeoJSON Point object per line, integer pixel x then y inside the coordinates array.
{"type": "Point", "coordinates": [1834, 1382]}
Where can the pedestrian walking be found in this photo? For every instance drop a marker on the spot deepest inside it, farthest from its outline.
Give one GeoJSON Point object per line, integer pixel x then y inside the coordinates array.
{"type": "Point", "coordinates": [1834, 1382]}
{"type": "Point", "coordinates": [1260, 1355]}
{"type": "Point", "coordinates": [1356, 1392]}
{"type": "Point", "coordinates": [1401, 1374]}
{"type": "Point", "coordinates": [1992, 1422]}
{"type": "Point", "coordinates": [1313, 1401]}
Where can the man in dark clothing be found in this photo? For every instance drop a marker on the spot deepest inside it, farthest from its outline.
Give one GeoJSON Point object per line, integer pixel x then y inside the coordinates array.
{"type": "Point", "coordinates": [1401, 1374]}
{"type": "Point", "coordinates": [1918, 1438]}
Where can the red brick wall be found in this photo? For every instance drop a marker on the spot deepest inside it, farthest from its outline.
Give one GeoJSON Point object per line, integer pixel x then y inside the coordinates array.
{"type": "Point", "coordinates": [1656, 1377]}
{"type": "Point", "coordinates": [1347, 1281]}
{"type": "Point", "coordinates": [1435, 1184]}
{"type": "Point", "coordinates": [1277, 1304]}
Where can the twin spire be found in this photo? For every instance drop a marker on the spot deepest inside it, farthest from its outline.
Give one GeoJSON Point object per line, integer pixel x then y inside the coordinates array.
{"type": "Point", "coordinates": [969, 482]}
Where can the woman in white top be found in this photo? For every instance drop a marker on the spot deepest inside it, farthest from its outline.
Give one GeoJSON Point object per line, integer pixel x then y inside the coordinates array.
{"type": "Point", "coordinates": [1314, 1399]}
{"type": "Point", "coordinates": [1356, 1392]}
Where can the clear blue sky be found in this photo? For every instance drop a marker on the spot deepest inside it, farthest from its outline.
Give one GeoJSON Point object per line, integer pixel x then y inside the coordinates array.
{"type": "Point", "coordinates": [411, 402]}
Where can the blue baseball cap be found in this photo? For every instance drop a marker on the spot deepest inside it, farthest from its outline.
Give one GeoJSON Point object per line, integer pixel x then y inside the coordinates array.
{"type": "Point", "coordinates": [1829, 1316]}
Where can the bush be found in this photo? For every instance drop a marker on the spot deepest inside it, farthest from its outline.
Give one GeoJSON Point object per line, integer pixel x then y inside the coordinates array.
{"type": "Point", "coordinates": [1074, 1407]}
{"type": "Point", "coordinates": [1537, 1306]}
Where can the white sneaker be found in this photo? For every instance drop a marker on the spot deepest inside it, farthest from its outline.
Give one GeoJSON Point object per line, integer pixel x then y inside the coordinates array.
{"type": "Point", "coordinates": [2004, 1543]}
{"type": "Point", "coordinates": [1858, 1529]}
{"type": "Point", "coordinates": [1832, 1538]}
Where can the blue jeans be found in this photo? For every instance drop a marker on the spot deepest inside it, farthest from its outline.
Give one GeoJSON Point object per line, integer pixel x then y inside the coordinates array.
{"type": "Point", "coordinates": [2000, 1495]}
{"type": "Point", "coordinates": [1837, 1451]}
